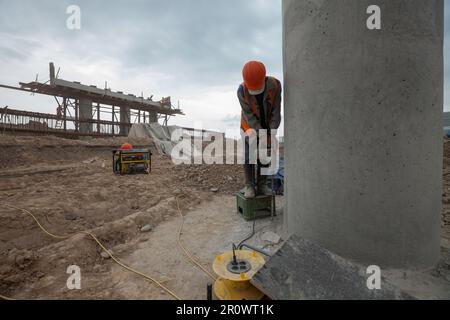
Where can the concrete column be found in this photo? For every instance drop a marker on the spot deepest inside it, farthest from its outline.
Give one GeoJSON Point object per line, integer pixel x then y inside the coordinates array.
{"type": "Point", "coordinates": [152, 117]}
{"type": "Point", "coordinates": [113, 116]}
{"type": "Point", "coordinates": [85, 113]}
{"type": "Point", "coordinates": [125, 117]}
{"type": "Point", "coordinates": [363, 128]}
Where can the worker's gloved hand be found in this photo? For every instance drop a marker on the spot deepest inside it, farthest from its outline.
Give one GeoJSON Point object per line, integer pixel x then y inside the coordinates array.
{"type": "Point", "coordinates": [251, 142]}
{"type": "Point", "coordinates": [250, 132]}
{"type": "Point", "coordinates": [251, 135]}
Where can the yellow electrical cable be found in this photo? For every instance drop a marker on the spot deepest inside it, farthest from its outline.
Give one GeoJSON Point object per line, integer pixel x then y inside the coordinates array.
{"type": "Point", "coordinates": [6, 298]}
{"type": "Point", "coordinates": [101, 246]}
{"type": "Point", "coordinates": [187, 253]}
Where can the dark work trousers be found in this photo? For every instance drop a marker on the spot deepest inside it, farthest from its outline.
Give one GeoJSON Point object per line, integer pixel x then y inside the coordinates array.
{"type": "Point", "coordinates": [252, 172]}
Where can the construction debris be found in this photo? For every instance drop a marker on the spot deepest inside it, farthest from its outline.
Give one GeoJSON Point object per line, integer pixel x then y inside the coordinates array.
{"type": "Point", "coordinates": [271, 237]}
{"type": "Point", "coordinates": [146, 228]}
{"type": "Point", "coordinates": [319, 275]}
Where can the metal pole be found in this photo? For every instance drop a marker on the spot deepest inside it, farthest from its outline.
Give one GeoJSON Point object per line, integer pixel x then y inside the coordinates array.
{"type": "Point", "coordinates": [209, 292]}
{"type": "Point", "coordinates": [273, 213]}
{"type": "Point", "coordinates": [112, 115]}
{"type": "Point", "coordinates": [98, 117]}
{"type": "Point", "coordinates": [77, 124]}
{"type": "Point", "coordinates": [65, 113]}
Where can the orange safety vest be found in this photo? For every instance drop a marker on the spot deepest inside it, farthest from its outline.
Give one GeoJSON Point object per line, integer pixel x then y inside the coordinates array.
{"type": "Point", "coordinates": [271, 91]}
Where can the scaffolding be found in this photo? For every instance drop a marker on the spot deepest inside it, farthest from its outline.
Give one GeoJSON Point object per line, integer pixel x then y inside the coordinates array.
{"type": "Point", "coordinates": [12, 120]}
{"type": "Point", "coordinates": [83, 110]}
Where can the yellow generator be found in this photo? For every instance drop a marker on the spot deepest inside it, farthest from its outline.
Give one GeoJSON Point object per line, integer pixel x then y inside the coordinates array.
{"type": "Point", "coordinates": [131, 161]}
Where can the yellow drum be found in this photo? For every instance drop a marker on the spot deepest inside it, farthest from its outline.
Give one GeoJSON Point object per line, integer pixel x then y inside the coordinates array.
{"type": "Point", "coordinates": [235, 275]}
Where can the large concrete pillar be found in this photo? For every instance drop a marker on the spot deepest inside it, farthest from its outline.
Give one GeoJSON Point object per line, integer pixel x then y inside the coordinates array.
{"type": "Point", "coordinates": [85, 113]}
{"type": "Point", "coordinates": [153, 117]}
{"type": "Point", "coordinates": [363, 128]}
{"type": "Point", "coordinates": [125, 117]}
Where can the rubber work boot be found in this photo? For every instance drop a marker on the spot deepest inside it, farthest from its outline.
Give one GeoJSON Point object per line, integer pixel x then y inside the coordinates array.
{"type": "Point", "coordinates": [249, 191]}
{"type": "Point", "coordinates": [262, 188]}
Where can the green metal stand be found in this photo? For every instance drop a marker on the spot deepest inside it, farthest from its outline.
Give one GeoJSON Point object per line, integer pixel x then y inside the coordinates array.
{"type": "Point", "coordinates": [255, 208]}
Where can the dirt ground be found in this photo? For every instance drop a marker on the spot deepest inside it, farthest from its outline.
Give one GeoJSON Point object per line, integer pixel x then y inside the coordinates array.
{"type": "Point", "coordinates": [69, 186]}
{"type": "Point", "coordinates": [446, 192]}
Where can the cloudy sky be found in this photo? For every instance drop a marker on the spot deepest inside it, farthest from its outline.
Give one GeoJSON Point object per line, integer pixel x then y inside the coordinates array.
{"type": "Point", "coordinates": [192, 50]}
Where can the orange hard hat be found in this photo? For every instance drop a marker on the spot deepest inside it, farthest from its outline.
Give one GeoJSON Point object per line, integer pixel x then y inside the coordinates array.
{"type": "Point", "coordinates": [126, 146]}
{"type": "Point", "coordinates": [254, 74]}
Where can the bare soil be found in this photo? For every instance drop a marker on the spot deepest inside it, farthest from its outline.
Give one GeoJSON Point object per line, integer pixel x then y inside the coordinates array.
{"type": "Point", "coordinates": [70, 187]}
{"type": "Point", "coordinates": [446, 192]}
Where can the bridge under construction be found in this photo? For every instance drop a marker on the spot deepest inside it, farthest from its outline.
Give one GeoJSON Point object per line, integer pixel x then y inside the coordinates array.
{"type": "Point", "coordinates": [84, 110]}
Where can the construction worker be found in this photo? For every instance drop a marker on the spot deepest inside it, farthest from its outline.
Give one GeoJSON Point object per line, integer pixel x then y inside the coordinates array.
{"type": "Point", "coordinates": [260, 99]}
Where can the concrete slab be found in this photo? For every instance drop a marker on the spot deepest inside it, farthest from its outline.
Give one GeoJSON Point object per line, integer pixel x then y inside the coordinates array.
{"type": "Point", "coordinates": [304, 270]}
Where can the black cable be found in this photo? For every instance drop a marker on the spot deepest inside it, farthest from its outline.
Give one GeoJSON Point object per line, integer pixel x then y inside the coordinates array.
{"type": "Point", "coordinates": [252, 233]}
{"type": "Point", "coordinates": [239, 246]}
{"type": "Point", "coordinates": [249, 236]}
